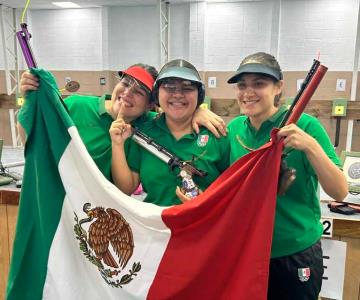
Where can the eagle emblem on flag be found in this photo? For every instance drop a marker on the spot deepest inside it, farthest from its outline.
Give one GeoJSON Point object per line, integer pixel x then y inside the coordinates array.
{"type": "Point", "coordinates": [108, 243]}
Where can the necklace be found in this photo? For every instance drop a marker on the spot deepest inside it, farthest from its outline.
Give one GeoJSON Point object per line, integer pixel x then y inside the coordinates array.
{"type": "Point", "coordinates": [243, 145]}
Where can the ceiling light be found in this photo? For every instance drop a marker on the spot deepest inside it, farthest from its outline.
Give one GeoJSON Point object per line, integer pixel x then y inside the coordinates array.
{"type": "Point", "coordinates": [66, 4]}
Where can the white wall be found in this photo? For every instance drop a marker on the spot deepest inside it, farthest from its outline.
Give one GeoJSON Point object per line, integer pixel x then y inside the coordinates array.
{"type": "Point", "coordinates": [328, 26]}
{"type": "Point", "coordinates": [105, 38]}
{"type": "Point", "coordinates": [179, 31]}
{"type": "Point", "coordinates": [197, 34]}
{"type": "Point", "coordinates": [67, 39]}
{"type": "Point", "coordinates": [235, 30]}
{"type": "Point", "coordinates": [213, 36]}
{"type": "Point", "coordinates": [133, 36]}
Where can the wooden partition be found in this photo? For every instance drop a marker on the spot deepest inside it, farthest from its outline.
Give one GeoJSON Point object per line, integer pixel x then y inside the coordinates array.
{"type": "Point", "coordinates": [9, 199]}
{"type": "Point", "coordinates": [348, 231]}
{"type": "Point", "coordinates": [6, 103]}
{"type": "Point", "coordinates": [228, 109]}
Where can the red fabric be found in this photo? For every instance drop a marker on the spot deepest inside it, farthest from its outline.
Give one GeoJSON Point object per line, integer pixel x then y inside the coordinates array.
{"type": "Point", "coordinates": [141, 75]}
{"type": "Point", "coordinates": [221, 241]}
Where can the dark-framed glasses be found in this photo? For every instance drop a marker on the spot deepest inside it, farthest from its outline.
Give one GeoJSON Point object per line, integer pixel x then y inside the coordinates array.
{"type": "Point", "coordinates": [186, 87]}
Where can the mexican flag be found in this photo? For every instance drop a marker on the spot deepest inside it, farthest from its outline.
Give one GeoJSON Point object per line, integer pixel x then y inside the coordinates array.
{"type": "Point", "coordinates": [79, 237]}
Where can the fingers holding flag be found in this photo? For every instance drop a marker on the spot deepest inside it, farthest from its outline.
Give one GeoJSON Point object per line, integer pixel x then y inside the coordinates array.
{"type": "Point", "coordinates": [296, 138]}
{"type": "Point", "coordinates": [28, 82]}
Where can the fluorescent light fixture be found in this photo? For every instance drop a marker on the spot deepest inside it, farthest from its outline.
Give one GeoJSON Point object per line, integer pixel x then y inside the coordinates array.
{"type": "Point", "coordinates": [66, 4]}
{"type": "Point", "coordinates": [228, 1]}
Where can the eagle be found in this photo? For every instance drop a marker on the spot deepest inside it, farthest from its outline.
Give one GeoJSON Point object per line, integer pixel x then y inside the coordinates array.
{"type": "Point", "coordinates": [109, 227]}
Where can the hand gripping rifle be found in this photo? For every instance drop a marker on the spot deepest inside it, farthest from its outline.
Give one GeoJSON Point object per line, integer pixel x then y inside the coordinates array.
{"type": "Point", "coordinates": [186, 169]}
{"type": "Point", "coordinates": [308, 88]}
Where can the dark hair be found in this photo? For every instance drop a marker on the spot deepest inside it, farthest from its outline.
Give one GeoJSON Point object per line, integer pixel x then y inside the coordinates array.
{"type": "Point", "coordinates": [266, 60]}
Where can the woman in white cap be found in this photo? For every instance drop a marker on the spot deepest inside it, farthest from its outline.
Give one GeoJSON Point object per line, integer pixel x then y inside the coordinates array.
{"type": "Point", "coordinates": [179, 91]}
{"type": "Point", "coordinates": [296, 265]}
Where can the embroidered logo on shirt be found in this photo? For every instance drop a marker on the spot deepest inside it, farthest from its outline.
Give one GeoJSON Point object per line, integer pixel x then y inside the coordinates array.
{"type": "Point", "coordinates": [304, 274]}
{"type": "Point", "coordinates": [202, 140]}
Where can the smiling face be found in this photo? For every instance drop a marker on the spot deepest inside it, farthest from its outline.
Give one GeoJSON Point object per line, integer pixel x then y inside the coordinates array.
{"type": "Point", "coordinates": [178, 99]}
{"type": "Point", "coordinates": [129, 98]}
{"type": "Point", "coordinates": [256, 94]}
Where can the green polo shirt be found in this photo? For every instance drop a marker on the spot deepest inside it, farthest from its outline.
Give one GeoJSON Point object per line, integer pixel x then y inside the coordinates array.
{"type": "Point", "coordinates": [93, 123]}
{"type": "Point", "coordinates": [297, 217]}
{"type": "Point", "coordinates": [159, 182]}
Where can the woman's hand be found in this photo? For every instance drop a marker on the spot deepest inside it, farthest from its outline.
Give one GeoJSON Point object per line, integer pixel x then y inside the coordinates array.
{"type": "Point", "coordinates": [331, 178]}
{"type": "Point", "coordinates": [124, 178]}
{"type": "Point", "coordinates": [119, 131]}
{"type": "Point", "coordinates": [205, 117]}
{"type": "Point", "coordinates": [28, 82]}
{"type": "Point", "coordinates": [183, 198]}
{"type": "Point", "coordinates": [296, 138]}
{"type": "Point", "coordinates": [181, 195]}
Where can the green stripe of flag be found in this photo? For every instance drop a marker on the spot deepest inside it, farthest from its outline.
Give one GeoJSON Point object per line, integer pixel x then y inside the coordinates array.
{"type": "Point", "coordinates": [42, 193]}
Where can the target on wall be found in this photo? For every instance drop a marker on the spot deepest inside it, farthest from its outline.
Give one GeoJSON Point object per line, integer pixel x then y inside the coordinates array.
{"type": "Point", "coordinates": [351, 168]}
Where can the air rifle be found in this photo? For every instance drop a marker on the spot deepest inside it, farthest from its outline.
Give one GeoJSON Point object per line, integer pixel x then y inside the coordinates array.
{"type": "Point", "coordinates": [165, 155]}
{"type": "Point", "coordinates": [186, 169]}
{"type": "Point", "coordinates": [307, 89]}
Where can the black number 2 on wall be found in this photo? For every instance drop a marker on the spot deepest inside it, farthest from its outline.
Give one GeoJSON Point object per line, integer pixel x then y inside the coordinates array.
{"type": "Point", "coordinates": [327, 227]}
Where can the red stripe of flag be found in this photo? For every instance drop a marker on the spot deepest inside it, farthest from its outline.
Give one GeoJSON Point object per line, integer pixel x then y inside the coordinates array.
{"type": "Point", "coordinates": [220, 243]}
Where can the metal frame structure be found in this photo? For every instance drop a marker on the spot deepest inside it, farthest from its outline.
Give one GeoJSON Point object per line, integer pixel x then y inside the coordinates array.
{"type": "Point", "coordinates": [9, 45]}
{"type": "Point", "coordinates": [164, 12]}
{"type": "Point", "coordinates": [11, 62]}
{"type": "Point", "coordinates": [275, 28]}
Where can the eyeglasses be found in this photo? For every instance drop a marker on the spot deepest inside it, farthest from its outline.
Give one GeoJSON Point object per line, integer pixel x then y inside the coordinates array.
{"type": "Point", "coordinates": [184, 88]}
{"type": "Point", "coordinates": [133, 86]}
